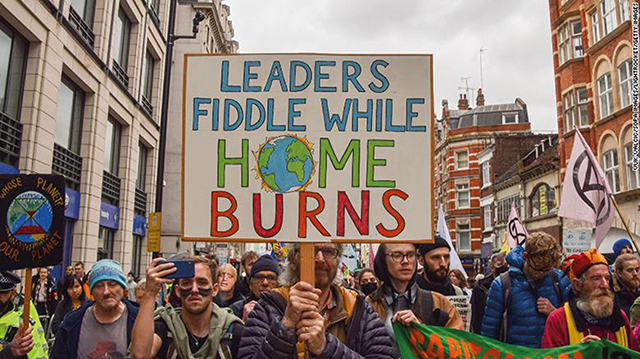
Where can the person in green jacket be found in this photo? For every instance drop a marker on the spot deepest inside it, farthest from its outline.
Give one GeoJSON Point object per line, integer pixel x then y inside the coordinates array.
{"type": "Point", "coordinates": [15, 340]}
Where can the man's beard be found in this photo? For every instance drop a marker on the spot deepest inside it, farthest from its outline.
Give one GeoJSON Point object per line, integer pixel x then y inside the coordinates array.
{"type": "Point", "coordinates": [434, 277]}
{"type": "Point", "coordinates": [598, 303]}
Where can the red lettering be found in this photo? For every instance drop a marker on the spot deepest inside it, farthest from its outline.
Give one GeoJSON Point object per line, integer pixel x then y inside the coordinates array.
{"type": "Point", "coordinates": [435, 342]}
{"type": "Point", "coordinates": [454, 348]}
{"type": "Point", "coordinates": [228, 214]}
{"type": "Point", "coordinates": [362, 222]}
{"type": "Point", "coordinates": [257, 217]}
{"type": "Point", "coordinates": [386, 201]}
{"type": "Point", "coordinates": [303, 214]}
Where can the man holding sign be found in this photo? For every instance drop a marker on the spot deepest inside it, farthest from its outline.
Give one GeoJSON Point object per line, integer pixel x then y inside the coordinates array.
{"type": "Point", "coordinates": [296, 313]}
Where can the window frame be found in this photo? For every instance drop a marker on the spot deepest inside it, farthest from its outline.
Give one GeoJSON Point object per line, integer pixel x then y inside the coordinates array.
{"type": "Point", "coordinates": [123, 25]}
{"type": "Point", "coordinates": [595, 27]}
{"type": "Point", "coordinates": [459, 232]}
{"type": "Point", "coordinates": [15, 77]}
{"type": "Point", "coordinates": [611, 168]}
{"type": "Point", "coordinates": [487, 226]}
{"type": "Point", "coordinates": [609, 16]}
{"type": "Point", "coordinates": [462, 188]}
{"type": "Point", "coordinates": [112, 153]}
{"type": "Point", "coordinates": [605, 97]}
{"type": "Point", "coordinates": [143, 158]}
{"type": "Point", "coordinates": [624, 83]}
{"type": "Point", "coordinates": [485, 169]}
{"type": "Point", "coordinates": [631, 174]}
{"type": "Point", "coordinates": [147, 85]}
{"type": "Point", "coordinates": [78, 102]}
{"type": "Point", "coordinates": [106, 242]}
{"type": "Point", "coordinates": [568, 110]}
{"type": "Point", "coordinates": [535, 201]}
{"type": "Point", "coordinates": [457, 154]}
{"type": "Point", "coordinates": [505, 115]}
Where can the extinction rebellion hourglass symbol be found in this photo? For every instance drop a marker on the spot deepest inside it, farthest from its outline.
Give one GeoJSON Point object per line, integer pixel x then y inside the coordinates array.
{"type": "Point", "coordinates": [29, 217]}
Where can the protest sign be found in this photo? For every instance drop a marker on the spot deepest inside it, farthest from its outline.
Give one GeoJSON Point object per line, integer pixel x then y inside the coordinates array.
{"type": "Point", "coordinates": [463, 306]}
{"type": "Point", "coordinates": [421, 341]}
{"type": "Point", "coordinates": [308, 148]}
{"type": "Point", "coordinates": [33, 222]}
{"type": "Point", "coordinates": [576, 240]}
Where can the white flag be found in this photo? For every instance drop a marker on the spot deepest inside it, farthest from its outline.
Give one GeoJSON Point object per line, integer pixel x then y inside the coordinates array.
{"type": "Point", "coordinates": [516, 233]}
{"type": "Point", "coordinates": [443, 231]}
{"type": "Point", "coordinates": [586, 194]}
{"type": "Point", "coordinates": [349, 258]}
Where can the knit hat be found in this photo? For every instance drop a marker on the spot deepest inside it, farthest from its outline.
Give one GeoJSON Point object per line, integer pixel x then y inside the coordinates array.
{"type": "Point", "coordinates": [578, 264]}
{"type": "Point", "coordinates": [107, 269]}
{"type": "Point", "coordinates": [8, 280]}
{"type": "Point", "coordinates": [619, 245]}
{"type": "Point", "coordinates": [265, 263]}
{"type": "Point", "coordinates": [438, 242]}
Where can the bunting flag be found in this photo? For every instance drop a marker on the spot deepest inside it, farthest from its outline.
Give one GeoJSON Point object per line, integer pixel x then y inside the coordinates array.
{"type": "Point", "coordinates": [586, 194]}
{"type": "Point", "coordinates": [420, 341]}
{"type": "Point", "coordinates": [516, 233]}
{"type": "Point", "coordinates": [443, 231]}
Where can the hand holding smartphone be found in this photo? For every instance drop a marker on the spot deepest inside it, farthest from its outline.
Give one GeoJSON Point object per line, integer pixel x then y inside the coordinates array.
{"type": "Point", "coordinates": [184, 268]}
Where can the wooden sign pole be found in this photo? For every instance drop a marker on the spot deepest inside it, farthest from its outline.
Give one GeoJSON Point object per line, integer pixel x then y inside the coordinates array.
{"type": "Point", "coordinates": [615, 204]}
{"type": "Point", "coordinates": [27, 298]}
{"type": "Point", "coordinates": [307, 263]}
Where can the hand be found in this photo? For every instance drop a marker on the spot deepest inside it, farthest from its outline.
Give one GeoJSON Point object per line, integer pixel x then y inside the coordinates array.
{"type": "Point", "coordinates": [589, 338]}
{"type": "Point", "coordinates": [22, 342]}
{"type": "Point", "coordinates": [247, 309]}
{"type": "Point", "coordinates": [155, 276]}
{"type": "Point", "coordinates": [310, 329]}
{"type": "Point", "coordinates": [303, 297]}
{"type": "Point", "coordinates": [405, 317]}
{"type": "Point", "coordinates": [545, 307]}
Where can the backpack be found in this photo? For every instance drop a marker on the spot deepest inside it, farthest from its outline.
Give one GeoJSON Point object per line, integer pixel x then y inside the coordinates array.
{"type": "Point", "coordinates": [429, 316]}
{"type": "Point", "coordinates": [505, 279]}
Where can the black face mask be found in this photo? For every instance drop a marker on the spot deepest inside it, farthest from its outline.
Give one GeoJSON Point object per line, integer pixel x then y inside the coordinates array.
{"type": "Point", "coordinates": [369, 288]}
{"type": "Point", "coordinates": [503, 268]}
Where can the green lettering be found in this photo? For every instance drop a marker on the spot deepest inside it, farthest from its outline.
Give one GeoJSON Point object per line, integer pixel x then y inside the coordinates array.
{"type": "Point", "coordinates": [373, 162]}
{"type": "Point", "coordinates": [242, 161]}
{"type": "Point", "coordinates": [326, 150]}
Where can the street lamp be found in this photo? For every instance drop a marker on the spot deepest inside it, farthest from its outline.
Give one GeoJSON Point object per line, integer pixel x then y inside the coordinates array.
{"type": "Point", "coordinates": [164, 113]}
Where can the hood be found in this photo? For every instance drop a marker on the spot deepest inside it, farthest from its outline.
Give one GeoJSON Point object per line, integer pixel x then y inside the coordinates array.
{"type": "Point", "coordinates": [515, 258]}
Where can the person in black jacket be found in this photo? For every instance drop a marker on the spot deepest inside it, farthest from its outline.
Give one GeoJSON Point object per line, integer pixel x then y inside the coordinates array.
{"type": "Point", "coordinates": [73, 297]}
{"type": "Point", "coordinates": [434, 257]}
{"type": "Point", "coordinates": [247, 260]}
{"type": "Point", "coordinates": [498, 265]}
{"type": "Point", "coordinates": [262, 278]}
{"type": "Point", "coordinates": [44, 292]}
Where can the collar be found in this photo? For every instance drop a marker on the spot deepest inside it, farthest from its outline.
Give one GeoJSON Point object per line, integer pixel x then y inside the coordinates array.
{"type": "Point", "coordinates": [329, 304]}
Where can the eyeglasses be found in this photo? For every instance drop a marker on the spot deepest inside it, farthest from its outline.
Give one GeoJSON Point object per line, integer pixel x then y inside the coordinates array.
{"type": "Point", "coordinates": [327, 252]}
{"type": "Point", "coordinates": [259, 278]}
{"type": "Point", "coordinates": [399, 257]}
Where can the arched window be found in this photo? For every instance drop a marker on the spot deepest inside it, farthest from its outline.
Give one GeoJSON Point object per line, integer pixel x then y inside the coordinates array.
{"type": "Point", "coordinates": [542, 200]}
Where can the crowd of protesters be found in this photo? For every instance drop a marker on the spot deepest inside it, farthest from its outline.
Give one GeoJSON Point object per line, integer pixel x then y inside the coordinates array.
{"type": "Point", "coordinates": [530, 296]}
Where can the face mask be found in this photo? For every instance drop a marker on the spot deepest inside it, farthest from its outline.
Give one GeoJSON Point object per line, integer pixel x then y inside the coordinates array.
{"type": "Point", "coordinates": [369, 288]}
{"type": "Point", "coordinates": [503, 268]}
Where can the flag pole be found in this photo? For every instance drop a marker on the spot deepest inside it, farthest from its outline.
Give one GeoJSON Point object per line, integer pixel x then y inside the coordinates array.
{"type": "Point", "coordinates": [615, 204]}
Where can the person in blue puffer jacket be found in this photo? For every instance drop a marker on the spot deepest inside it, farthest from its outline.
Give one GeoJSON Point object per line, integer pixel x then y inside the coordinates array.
{"type": "Point", "coordinates": [537, 288]}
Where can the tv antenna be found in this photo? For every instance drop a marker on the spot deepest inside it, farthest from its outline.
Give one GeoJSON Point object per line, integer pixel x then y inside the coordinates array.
{"type": "Point", "coordinates": [481, 77]}
{"type": "Point", "coordinates": [468, 90]}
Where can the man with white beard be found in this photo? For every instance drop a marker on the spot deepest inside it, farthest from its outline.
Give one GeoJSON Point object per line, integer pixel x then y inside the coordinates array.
{"type": "Point", "coordinates": [592, 312]}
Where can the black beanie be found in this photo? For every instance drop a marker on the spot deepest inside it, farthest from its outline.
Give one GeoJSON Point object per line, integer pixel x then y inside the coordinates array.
{"type": "Point", "coordinates": [265, 263]}
{"type": "Point", "coordinates": [438, 242]}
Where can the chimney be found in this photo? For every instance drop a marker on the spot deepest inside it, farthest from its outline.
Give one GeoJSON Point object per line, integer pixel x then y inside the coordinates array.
{"type": "Point", "coordinates": [463, 103]}
{"type": "Point", "coordinates": [480, 98]}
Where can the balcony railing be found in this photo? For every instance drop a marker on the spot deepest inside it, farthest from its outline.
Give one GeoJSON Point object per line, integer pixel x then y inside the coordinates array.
{"type": "Point", "coordinates": [10, 139]}
{"type": "Point", "coordinates": [81, 26]}
{"type": "Point", "coordinates": [121, 74]}
{"type": "Point", "coordinates": [154, 16]}
{"type": "Point", "coordinates": [140, 204]}
{"type": "Point", "coordinates": [68, 164]}
{"type": "Point", "coordinates": [146, 105]}
{"type": "Point", "coordinates": [111, 187]}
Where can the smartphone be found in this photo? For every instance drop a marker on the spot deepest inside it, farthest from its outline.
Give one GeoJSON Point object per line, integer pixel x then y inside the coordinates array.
{"type": "Point", "coordinates": [184, 267]}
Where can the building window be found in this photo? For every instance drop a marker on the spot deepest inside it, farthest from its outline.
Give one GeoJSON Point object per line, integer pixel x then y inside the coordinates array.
{"type": "Point", "coordinates": [85, 9]}
{"type": "Point", "coordinates": [486, 174]}
{"type": "Point", "coordinates": [542, 201]}
{"type": "Point", "coordinates": [569, 111]}
{"type": "Point", "coordinates": [609, 16]}
{"type": "Point", "coordinates": [582, 98]}
{"type": "Point", "coordinates": [462, 160]}
{"type": "Point", "coordinates": [122, 33]}
{"type": "Point", "coordinates": [487, 217]}
{"type": "Point", "coordinates": [570, 41]}
{"type": "Point", "coordinates": [509, 118]}
{"type": "Point", "coordinates": [13, 60]}
{"type": "Point", "coordinates": [624, 10]}
{"type": "Point", "coordinates": [611, 170]}
{"type": "Point", "coordinates": [595, 27]}
{"type": "Point", "coordinates": [69, 117]}
{"type": "Point", "coordinates": [136, 255]}
{"type": "Point", "coordinates": [106, 241]}
{"type": "Point", "coordinates": [575, 108]}
{"type": "Point", "coordinates": [462, 191]}
{"type": "Point", "coordinates": [606, 95]}
{"type": "Point", "coordinates": [143, 154]}
{"type": "Point", "coordinates": [147, 85]}
{"type": "Point", "coordinates": [112, 146]}
{"type": "Point", "coordinates": [624, 76]}
{"type": "Point", "coordinates": [464, 237]}
{"type": "Point", "coordinates": [633, 177]}
{"type": "Point", "coordinates": [504, 208]}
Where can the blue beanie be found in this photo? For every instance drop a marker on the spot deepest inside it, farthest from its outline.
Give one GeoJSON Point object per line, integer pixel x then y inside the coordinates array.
{"type": "Point", "coordinates": [619, 245]}
{"type": "Point", "coordinates": [107, 269]}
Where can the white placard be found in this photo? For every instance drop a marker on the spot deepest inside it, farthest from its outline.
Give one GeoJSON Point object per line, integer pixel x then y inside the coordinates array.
{"type": "Point", "coordinates": [576, 240]}
{"type": "Point", "coordinates": [463, 306]}
{"type": "Point", "coordinates": [307, 147]}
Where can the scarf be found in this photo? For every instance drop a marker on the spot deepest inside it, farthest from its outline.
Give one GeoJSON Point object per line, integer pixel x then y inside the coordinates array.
{"type": "Point", "coordinates": [445, 288]}
{"type": "Point", "coordinates": [219, 323]}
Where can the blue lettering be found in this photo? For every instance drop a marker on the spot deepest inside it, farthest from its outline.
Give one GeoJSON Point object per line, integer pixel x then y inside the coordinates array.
{"type": "Point", "coordinates": [197, 111]}
{"type": "Point", "coordinates": [322, 76]}
{"type": "Point", "coordinates": [411, 115]}
{"type": "Point", "coordinates": [251, 102]}
{"type": "Point", "coordinates": [295, 64]}
{"type": "Point", "coordinates": [384, 82]}
{"type": "Point", "coordinates": [276, 74]}
{"type": "Point", "coordinates": [333, 119]}
{"type": "Point", "coordinates": [214, 119]}
{"type": "Point", "coordinates": [356, 114]}
{"type": "Point", "coordinates": [270, 126]}
{"type": "Point", "coordinates": [390, 127]}
{"type": "Point", "coordinates": [351, 77]}
{"type": "Point", "coordinates": [293, 114]}
{"type": "Point", "coordinates": [224, 85]}
{"type": "Point", "coordinates": [228, 103]}
{"type": "Point", "coordinates": [248, 76]}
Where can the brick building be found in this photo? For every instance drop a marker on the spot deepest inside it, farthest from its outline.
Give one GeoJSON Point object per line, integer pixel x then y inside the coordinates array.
{"type": "Point", "coordinates": [462, 135]}
{"type": "Point", "coordinates": [592, 63]}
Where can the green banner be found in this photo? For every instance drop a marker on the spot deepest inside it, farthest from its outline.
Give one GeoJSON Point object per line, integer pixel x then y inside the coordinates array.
{"type": "Point", "coordinates": [421, 341]}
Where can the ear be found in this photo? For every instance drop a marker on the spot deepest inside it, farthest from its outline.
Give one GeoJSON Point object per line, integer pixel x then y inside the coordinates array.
{"type": "Point", "coordinates": [216, 288]}
{"type": "Point", "coordinates": [421, 260]}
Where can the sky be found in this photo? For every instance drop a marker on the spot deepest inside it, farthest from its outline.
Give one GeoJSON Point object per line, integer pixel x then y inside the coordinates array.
{"type": "Point", "coordinates": [517, 62]}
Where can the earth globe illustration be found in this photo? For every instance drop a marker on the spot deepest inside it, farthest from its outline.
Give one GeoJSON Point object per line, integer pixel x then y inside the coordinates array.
{"type": "Point", "coordinates": [29, 217]}
{"type": "Point", "coordinates": [285, 163]}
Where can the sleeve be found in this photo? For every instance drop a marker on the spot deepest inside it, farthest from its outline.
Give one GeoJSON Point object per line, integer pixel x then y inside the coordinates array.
{"type": "Point", "coordinates": [57, 318]}
{"type": "Point", "coordinates": [635, 311]}
{"type": "Point", "coordinates": [633, 340]}
{"type": "Point", "coordinates": [374, 340]}
{"type": "Point", "coordinates": [565, 287]}
{"type": "Point", "coordinates": [493, 311]}
{"type": "Point", "coordinates": [161, 330]}
{"type": "Point", "coordinates": [555, 331]}
{"type": "Point", "coordinates": [478, 301]}
{"type": "Point", "coordinates": [265, 337]}
{"type": "Point", "coordinates": [455, 320]}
